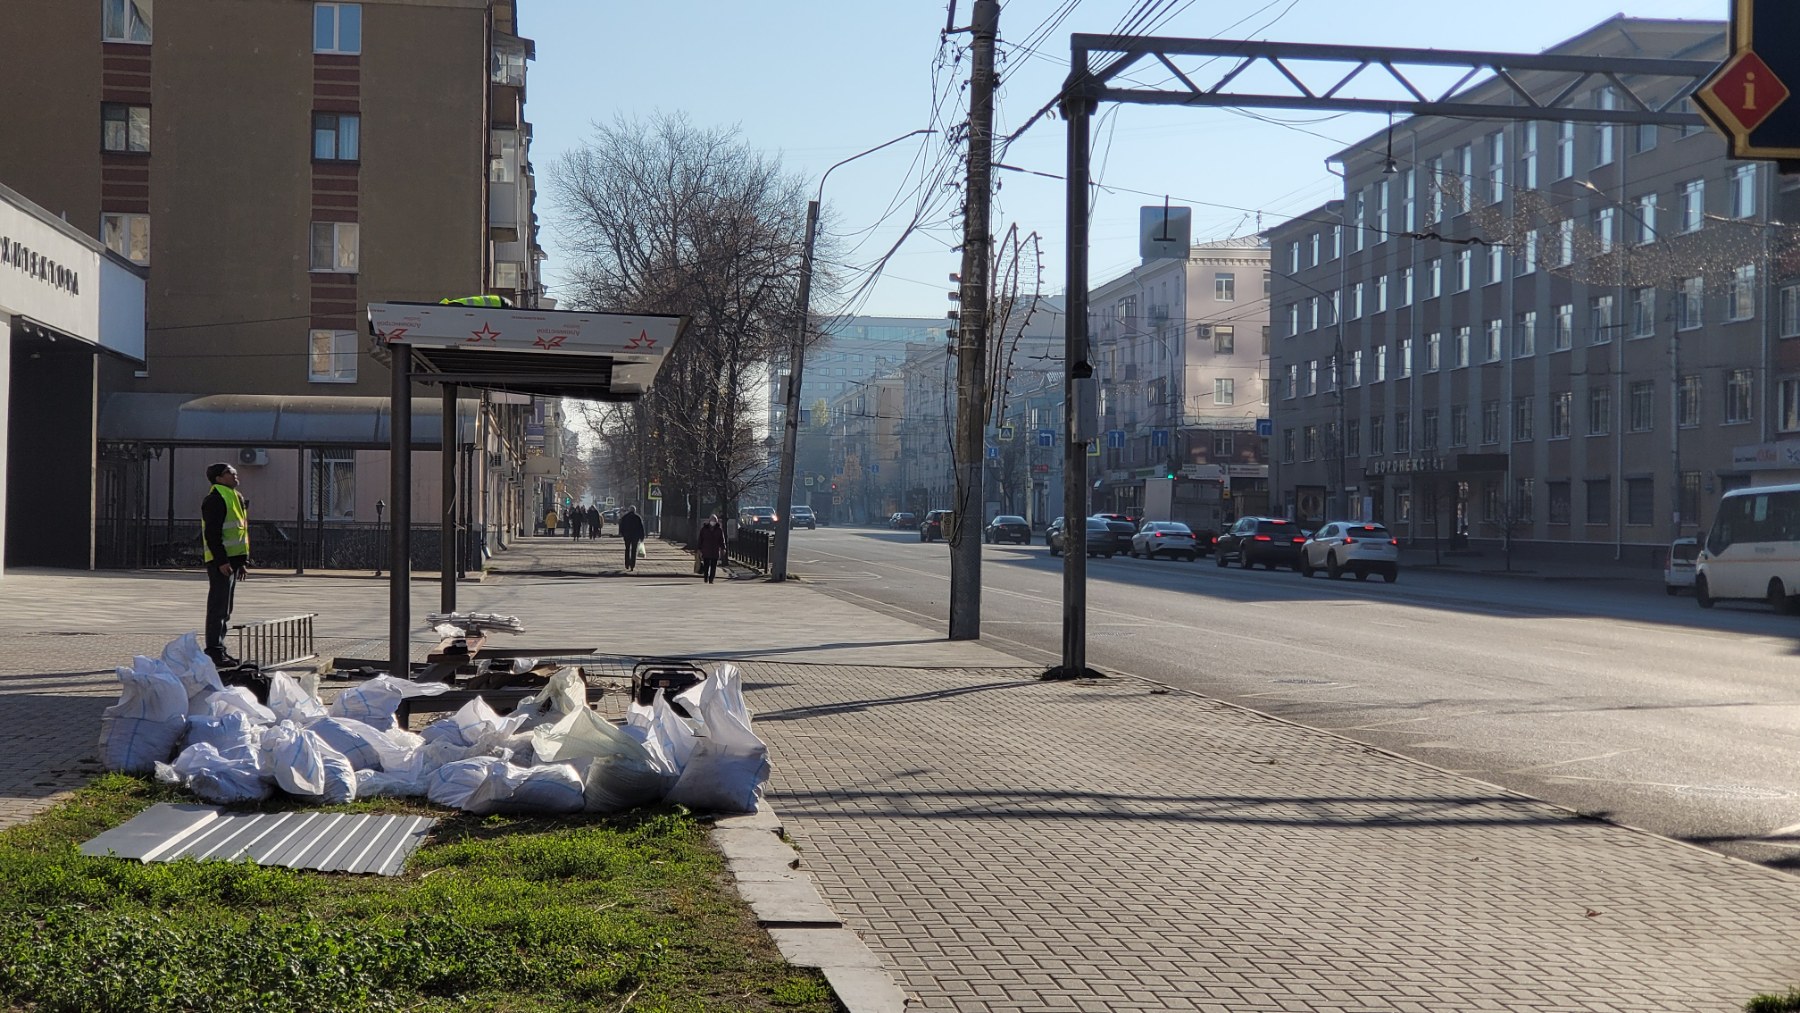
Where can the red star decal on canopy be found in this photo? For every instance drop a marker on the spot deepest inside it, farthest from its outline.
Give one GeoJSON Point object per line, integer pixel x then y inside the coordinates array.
{"type": "Point", "coordinates": [643, 340]}
{"type": "Point", "coordinates": [487, 331]}
{"type": "Point", "coordinates": [553, 341]}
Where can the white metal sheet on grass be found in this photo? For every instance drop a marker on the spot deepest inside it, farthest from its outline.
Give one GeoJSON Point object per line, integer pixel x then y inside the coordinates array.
{"type": "Point", "coordinates": [326, 842]}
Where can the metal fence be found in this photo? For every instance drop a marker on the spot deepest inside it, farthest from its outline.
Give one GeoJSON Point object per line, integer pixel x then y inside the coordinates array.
{"type": "Point", "coordinates": [160, 544]}
{"type": "Point", "coordinates": [272, 643]}
{"type": "Point", "coordinates": [750, 547]}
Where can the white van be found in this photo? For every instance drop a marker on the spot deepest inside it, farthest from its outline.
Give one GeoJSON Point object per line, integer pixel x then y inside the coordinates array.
{"type": "Point", "coordinates": [1753, 549]}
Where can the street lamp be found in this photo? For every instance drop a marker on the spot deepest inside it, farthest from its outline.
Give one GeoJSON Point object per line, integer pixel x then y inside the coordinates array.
{"type": "Point", "coordinates": [790, 424]}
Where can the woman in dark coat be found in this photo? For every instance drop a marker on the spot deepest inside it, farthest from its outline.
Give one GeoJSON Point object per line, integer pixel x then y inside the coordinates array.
{"type": "Point", "coordinates": [712, 547]}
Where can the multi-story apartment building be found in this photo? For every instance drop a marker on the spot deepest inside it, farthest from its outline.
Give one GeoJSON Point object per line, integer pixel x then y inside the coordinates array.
{"type": "Point", "coordinates": [1182, 352]}
{"type": "Point", "coordinates": [274, 166]}
{"type": "Point", "coordinates": [1575, 334]}
{"type": "Point", "coordinates": [849, 352]}
{"type": "Point", "coordinates": [864, 427]}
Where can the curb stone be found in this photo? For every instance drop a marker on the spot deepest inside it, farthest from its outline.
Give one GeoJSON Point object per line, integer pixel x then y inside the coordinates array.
{"type": "Point", "coordinates": [788, 906]}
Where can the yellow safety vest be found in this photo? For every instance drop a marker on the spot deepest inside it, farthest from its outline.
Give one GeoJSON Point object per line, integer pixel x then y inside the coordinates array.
{"type": "Point", "coordinates": [235, 532]}
{"type": "Point", "coordinates": [478, 301]}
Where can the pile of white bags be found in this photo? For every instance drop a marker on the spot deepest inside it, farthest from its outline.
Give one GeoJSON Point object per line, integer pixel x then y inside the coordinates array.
{"type": "Point", "coordinates": [552, 754]}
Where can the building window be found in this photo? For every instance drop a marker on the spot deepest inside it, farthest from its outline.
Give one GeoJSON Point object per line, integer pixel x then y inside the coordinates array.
{"type": "Point", "coordinates": [1565, 242]}
{"type": "Point", "coordinates": [1559, 501]}
{"type": "Point", "coordinates": [1496, 152]}
{"type": "Point", "coordinates": [1434, 280]}
{"type": "Point", "coordinates": [1565, 149]}
{"type": "Point", "coordinates": [1491, 507]}
{"type": "Point", "coordinates": [1600, 319]}
{"type": "Point", "coordinates": [1689, 507]}
{"type": "Point", "coordinates": [1313, 313]}
{"type": "Point", "coordinates": [1525, 262]}
{"type": "Point", "coordinates": [1309, 443]}
{"type": "Point", "coordinates": [1408, 202]}
{"type": "Point", "coordinates": [1604, 220]}
{"type": "Point", "coordinates": [331, 357]}
{"type": "Point", "coordinates": [1525, 334]}
{"type": "Point", "coordinates": [1381, 294]}
{"type": "Point", "coordinates": [1313, 242]}
{"type": "Point", "coordinates": [1599, 410]}
{"type": "Point", "coordinates": [1645, 138]}
{"type": "Point", "coordinates": [1522, 420]}
{"type": "Point", "coordinates": [1356, 358]}
{"type": "Point", "coordinates": [1693, 205]}
{"type": "Point", "coordinates": [1599, 501]}
{"type": "Point", "coordinates": [1377, 436]}
{"type": "Point", "coordinates": [1293, 382]}
{"type": "Point", "coordinates": [337, 137]}
{"type": "Point", "coordinates": [1738, 395]}
{"type": "Point", "coordinates": [1490, 422]}
{"type": "Point", "coordinates": [1433, 350]}
{"type": "Point", "coordinates": [1494, 330]}
{"type": "Point", "coordinates": [1265, 339]}
{"type": "Point", "coordinates": [1465, 164]}
{"type": "Point", "coordinates": [1380, 363]}
{"type": "Point", "coordinates": [1287, 445]}
{"type": "Point", "coordinates": [337, 28]}
{"type": "Point", "coordinates": [1293, 319]}
{"type": "Point", "coordinates": [1496, 264]}
{"type": "Point", "coordinates": [1461, 349]}
{"type": "Point", "coordinates": [1642, 406]}
{"type": "Point", "coordinates": [1224, 338]}
{"type": "Point", "coordinates": [124, 127]}
{"type": "Point", "coordinates": [1462, 270]}
{"type": "Point", "coordinates": [1562, 405]}
{"type": "Point", "coordinates": [1692, 296]}
{"type": "Point", "coordinates": [1331, 373]}
{"type": "Point", "coordinates": [1740, 297]}
{"type": "Point", "coordinates": [1564, 334]}
{"type": "Point", "coordinates": [1224, 391]}
{"type": "Point", "coordinates": [1790, 311]}
{"type": "Point", "coordinates": [1224, 445]}
{"type": "Point", "coordinates": [1459, 425]}
{"type": "Point", "coordinates": [1643, 312]}
{"type": "Point", "coordinates": [1312, 377]}
{"type": "Point", "coordinates": [1528, 177]}
{"type": "Point", "coordinates": [331, 486]}
{"type": "Point", "coordinates": [1225, 287]}
{"type": "Point", "coordinates": [1402, 431]}
{"type": "Point", "coordinates": [1294, 258]}
{"type": "Point", "coordinates": [1406, 362]}
{"type": "Point", "coordinates": [1380, 226]}
{"type": "Point", "coordinates": [1524, 498]}
{"type": "Point", "coordinates": [1788, 410]}
{"type": "Point", "coordinates": [1406, 286]}
{"type": "Point", "coordinates": [1646, 219]}
{"type": "Point", "coordinates": [1356, 300]}
{"type": "Point", "coordinates": [334, 247]}
{"type": "Point", "coordinates": [1743, 191]}
{"type": "Point", "coordinates": [127, 235]}
{"type": "Point", "coordinates": [1604, 98]}
{"type": "Point", "coordinates": [1640, 501]}
{"type": "Point", "coordinates": [125, 21]}
{"type": "Point", "coordinates": [1353, 438]}
{"type": "Point", "coordinates": [1434, 196]}
{"type": "Point", "coordinates": [507, 275]}
{"type": "Point", "coordinates": [1428, 429]}
{"type": "Point", "coordinates": [1357, 224]}
{"type": "Point", "coordinates": [1687, 402]}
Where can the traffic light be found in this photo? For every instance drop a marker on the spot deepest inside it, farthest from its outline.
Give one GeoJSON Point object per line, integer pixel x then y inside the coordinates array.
{"type": "Point", "coordinates": [834, 487]}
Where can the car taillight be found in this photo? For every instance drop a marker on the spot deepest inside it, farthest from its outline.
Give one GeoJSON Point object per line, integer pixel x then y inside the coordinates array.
{"type": "Point", "coordinates": [1349, 541]}
{"type": "Point", "coordinates": [1264, 538]}
{"type": "Point", "coordinates": [1393, 541]}
{"type": "Point", "coordinates": [1297, 541]}
{"type": "Point", "coordinates": [1159, 534]}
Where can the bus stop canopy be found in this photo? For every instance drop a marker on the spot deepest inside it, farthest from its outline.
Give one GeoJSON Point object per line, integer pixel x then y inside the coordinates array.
{"type": "Point", "coordinates": [547, 353]}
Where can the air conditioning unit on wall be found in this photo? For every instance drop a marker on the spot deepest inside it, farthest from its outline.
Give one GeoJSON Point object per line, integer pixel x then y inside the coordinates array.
{"type": "Point", "coordinates": [252, 457]}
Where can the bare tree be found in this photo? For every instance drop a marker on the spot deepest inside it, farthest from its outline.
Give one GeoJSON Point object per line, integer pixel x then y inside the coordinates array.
{"type": "Point", "coordinates": [661, 216]}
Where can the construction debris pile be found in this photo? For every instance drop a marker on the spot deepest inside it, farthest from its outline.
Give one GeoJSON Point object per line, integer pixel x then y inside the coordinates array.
{"type": "Point", "coordinates": [553, 754]}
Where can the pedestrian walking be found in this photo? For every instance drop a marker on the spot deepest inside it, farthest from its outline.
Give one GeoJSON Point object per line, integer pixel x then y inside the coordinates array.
{"type": "Point", "coordinates": [631, 529]}
{"type": "Point", "coordinates": [577, 517]}
{"type": "Point", "coordinates": [225, 528]}
{"type": "Point", "coordinates": [550, 521]}
{"type": "Point", "coordinates": [712, 547]}
{"type": "Point", "coordinates": [595, 522]}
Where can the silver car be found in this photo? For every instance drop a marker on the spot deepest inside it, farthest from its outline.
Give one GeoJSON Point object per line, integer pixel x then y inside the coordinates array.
{"type": "Point", "coordinates": [1165, 538]}
{"type": "Point", "coordinates": [1358, 547]}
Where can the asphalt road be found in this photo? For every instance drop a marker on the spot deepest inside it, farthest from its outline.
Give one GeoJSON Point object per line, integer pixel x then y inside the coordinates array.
{"type": "Point", "coordinates": [1606, 697]}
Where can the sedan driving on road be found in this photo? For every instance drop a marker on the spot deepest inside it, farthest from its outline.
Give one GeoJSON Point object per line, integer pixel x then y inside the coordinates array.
{"type": "Point", "coordinates": [1101, 539]}
{"type": "Point", "coordinates": [1353, 546]}
{"type": "Point", "coordinates": [1165, 538]}
{"type": "Point", "coordinates": [1270, 541]}
{"type": "Point", "coordinates": [905, 520]}
{"type": "Point", "coordinates": [1007, 528]}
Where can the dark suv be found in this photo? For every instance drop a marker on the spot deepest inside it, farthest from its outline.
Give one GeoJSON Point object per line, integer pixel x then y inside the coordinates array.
{"type": "Point", "coordinates": [1103, 537]}
{"type": "Point", "coordinates": [931, 529]}
{"type": "Point", "coordinates": [1271, 541]}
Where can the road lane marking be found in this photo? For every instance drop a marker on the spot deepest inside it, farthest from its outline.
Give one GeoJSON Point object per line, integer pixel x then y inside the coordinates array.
{"type": "Point", "coordinates": [1578, 759]}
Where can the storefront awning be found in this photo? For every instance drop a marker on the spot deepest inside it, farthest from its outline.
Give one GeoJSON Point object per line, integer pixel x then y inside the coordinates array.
{"type": "Point", "coordinates": [272, 421]}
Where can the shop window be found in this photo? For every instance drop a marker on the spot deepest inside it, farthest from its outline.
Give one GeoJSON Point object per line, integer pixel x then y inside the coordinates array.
{"type": "Point", "coordinates": [331, 486]}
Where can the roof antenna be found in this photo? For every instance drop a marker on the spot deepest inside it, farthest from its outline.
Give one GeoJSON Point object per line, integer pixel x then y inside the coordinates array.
{"type": "Point", "coordinates": [1390, 168]}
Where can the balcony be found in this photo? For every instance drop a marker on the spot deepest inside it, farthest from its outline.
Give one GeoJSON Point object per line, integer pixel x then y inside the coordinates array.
{"type": "Point", "coordinates": [503, 212]}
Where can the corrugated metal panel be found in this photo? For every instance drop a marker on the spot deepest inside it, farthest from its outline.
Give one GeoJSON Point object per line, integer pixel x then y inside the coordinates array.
{"type": "Point", "coordinates": [327, 842]}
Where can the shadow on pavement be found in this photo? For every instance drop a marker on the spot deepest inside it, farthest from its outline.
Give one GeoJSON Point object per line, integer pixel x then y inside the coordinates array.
{"type": "Point", "coordinates": [855, 706]}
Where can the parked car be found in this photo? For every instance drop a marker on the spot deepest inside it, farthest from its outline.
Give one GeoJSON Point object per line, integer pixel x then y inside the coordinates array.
{"type": "Point", "coordinates": [1165, 538]}
{"type": "Point", "coordinates": [1007, 528]}
{"type": "Point", "coordinates": [1681, 564]}
{"type": "Point", "coordinates": [757, 517]}
{"type": "Point", "coordinates": [1102, 539]}
{"type": "Point", "coordinates": [1355, 546]}
{"type": "Point", "coordinates": [610, 515]}
{"type": "Point", "coordinates": [931, 529]}
{"type": "Point", "coordinates": [1120, 530]}
{"type": "Point", "coordinates": [905, 520]}
{"type": "Point", "coordinates": [1270, 541]}
{"type": "Point", "coordinates": [1127, 518]}
{"type": "Point", "coordinates": [801, 516]}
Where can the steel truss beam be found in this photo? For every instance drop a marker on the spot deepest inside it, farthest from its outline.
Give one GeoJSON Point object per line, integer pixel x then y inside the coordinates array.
{"type": "Point", "coordinates": [1354, 69]}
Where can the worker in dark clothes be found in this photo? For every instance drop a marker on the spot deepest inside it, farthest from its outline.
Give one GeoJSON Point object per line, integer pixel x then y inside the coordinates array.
{"type": "Point", "coordinates": [631, 529]}
{"type": "Point", "coordinates": [225, 526]}
{"type": "Point", "coordinates": [577, 520]}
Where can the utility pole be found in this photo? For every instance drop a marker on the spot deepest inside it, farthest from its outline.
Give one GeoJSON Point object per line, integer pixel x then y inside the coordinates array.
{"type": "Point", "coordinates": [972, 333]}
{"type": "Point", "coordinates": [790, 423]}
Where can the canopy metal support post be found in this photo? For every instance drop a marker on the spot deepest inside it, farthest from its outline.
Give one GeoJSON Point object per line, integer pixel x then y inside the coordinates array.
{"type": "Point", "coordinates": [447, 487]}
{"type": "Point", "coordinates": [300, 511]}
{"type": "Point", "coordinates": [400, 514]}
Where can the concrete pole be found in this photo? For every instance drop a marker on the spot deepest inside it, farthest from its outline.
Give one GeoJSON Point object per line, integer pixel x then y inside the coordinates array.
{"type": "Point", "coordinates": [400, 516]}
{"type": "Point", "coordinates": [790, 424]}
{"type": "Point", "coordinates": [972, 335]}
{"type": "Point", "coordinates": [1077, 375]}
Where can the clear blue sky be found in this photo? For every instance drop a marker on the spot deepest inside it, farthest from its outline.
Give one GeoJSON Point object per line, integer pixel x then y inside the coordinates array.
{"type": "Point", "coordinates": [815, 81]}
